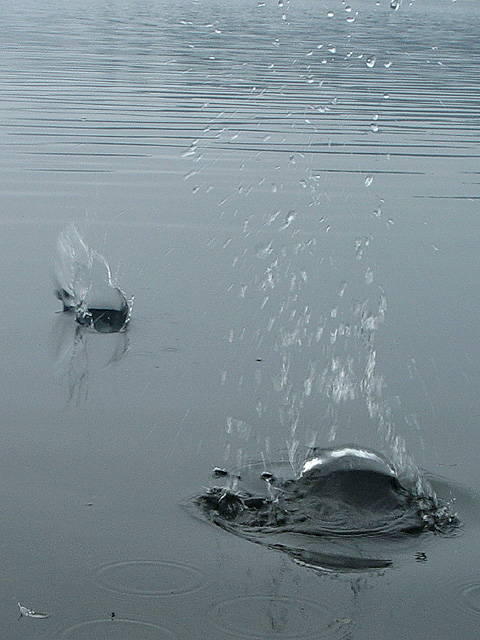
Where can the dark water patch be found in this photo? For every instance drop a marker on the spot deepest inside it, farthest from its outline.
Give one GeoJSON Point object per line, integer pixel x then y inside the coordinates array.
{"type": "Point", "coordinates": [373, 171]}
{"type": "Point", "coordinates": [149, 578]}
{"type": "Point", "coordinates": [448, 197]}
{"type": "Point", "coordinates": [348, 509]}
{"type": "Point", "coordinates": [116, 629]}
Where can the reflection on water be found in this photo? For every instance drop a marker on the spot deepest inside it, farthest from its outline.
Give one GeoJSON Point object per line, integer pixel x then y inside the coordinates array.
{"type": "Point", "coordinates": [80, 353]}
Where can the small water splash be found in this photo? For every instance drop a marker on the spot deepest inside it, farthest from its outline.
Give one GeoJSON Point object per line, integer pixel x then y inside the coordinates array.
{"type": "Point", "coordinates": [84, 284]}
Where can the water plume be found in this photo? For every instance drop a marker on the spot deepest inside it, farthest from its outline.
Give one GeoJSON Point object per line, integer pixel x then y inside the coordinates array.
{"type": "Point", "coordinates": [84, 285]}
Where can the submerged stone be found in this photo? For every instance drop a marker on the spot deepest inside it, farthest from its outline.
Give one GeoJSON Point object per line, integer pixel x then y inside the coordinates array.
{"type": "Point", "coordinates": [346, 492]}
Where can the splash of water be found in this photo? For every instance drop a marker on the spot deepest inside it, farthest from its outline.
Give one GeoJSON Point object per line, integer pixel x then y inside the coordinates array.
{"type": "Point", "coordinates": [348, 509]}
{"type": "Point", "coordinates": [84, 284]}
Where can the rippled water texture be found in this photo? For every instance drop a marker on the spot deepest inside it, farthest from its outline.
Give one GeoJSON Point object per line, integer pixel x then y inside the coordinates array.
{"type": "Point", "coordinates": [290, 190]}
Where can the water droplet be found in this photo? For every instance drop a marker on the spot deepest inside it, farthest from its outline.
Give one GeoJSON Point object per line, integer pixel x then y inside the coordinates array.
{"type": "Point", "coordinates": [368, 181]}
{"type": "Point", "coordinates": [374, 127]}
{"type": "Point", "coordinates": [377, 212]}
{"type": "Point", "coordinates": [332, 48]}
{"type": "Point", "coordinates": [386, 96]}
{"type": "Point", "coordinates": [387, 64]}
{"type": "Point", "coordinates": [289, 218]}
{"type": "Point", "coordinates": [351, 19]}
{"type": "Point", "coordinates": [348, 9]}
{"type": "Point", "coordinates": [330, 14]}
{"type": "Point", "coordinates": [360, 246]}
{"type": "Point", "coordinates": [395, 4]}
{"type": "Point", "coordinates": [370, 61]}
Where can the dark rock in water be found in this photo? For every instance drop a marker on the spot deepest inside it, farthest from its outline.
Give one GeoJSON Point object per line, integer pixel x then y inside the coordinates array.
{"type": "Point", "coordinates": [341, 493]}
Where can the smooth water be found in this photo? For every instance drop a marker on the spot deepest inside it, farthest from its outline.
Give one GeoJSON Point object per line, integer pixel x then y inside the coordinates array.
{"type": "Point", "coordinates": [290, 192]}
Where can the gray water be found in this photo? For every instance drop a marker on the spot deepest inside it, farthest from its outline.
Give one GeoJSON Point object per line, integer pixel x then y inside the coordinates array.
{"type": "Point", "coordinates": [292, 199]}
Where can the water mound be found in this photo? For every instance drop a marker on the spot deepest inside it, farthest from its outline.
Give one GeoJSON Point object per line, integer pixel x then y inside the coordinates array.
{"type": "Point", "coordinates": [346, 504]}
{"type": "Point", "coordinates": [85, 286]}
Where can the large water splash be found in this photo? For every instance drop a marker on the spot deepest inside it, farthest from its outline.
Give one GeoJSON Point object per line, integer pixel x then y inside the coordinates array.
{"type": "Point", "coordinates": [84, 284]}
{"type": "Point", "coordinates": [347, 510]}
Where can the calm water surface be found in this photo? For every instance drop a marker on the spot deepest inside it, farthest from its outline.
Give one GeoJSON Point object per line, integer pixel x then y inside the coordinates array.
{"type": "Point", "coordinates": [291, 192]}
